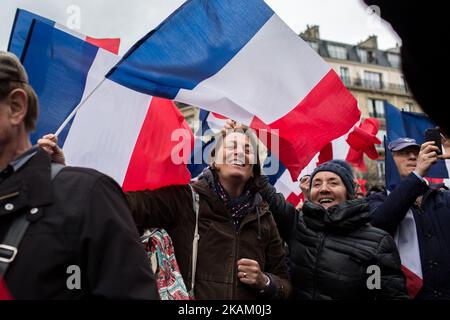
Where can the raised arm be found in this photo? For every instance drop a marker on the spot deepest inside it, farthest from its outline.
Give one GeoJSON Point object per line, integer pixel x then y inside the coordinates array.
{"type": "Point", "coordinates": [283, 211]}
{"type": "Point", "coordinates": [160, 208]}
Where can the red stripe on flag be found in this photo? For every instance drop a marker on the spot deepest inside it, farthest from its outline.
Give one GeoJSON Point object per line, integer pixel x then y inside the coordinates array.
{"type": "Point", "coordinates": [434, 180]}
{"type": "Point", "coordinates": [4, 293]}
{"type": "Point", "coordinates": [151, 164]}
{"type": "Point", "coordinates": [413, 282]}
{"type": "Point", "coordinates": [112, 45]}
{"type": "Point", "coordinates": [326, 113]}
{"type": "Point", "coordinates": [295, 199]}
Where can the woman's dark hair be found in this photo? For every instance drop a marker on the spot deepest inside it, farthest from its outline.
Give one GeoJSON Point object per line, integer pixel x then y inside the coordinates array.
{"type": "Point", "coordinates": [253, 182]}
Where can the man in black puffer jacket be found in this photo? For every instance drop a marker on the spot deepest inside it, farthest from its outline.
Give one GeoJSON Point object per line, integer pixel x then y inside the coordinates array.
{"type": "Point", "coordinates": [332, 245]}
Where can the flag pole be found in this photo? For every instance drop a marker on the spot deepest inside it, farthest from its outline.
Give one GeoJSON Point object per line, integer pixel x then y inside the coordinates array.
{"type": "Point", "coordinates": [74, 111]}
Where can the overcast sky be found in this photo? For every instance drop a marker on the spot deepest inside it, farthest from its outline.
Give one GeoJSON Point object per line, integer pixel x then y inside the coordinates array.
{"type": "Point", "coordinates": [345, 21]}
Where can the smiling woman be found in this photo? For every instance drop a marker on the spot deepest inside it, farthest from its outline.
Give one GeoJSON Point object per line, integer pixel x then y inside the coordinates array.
{"type": "Point", "coordinates": [240, 253]}
{"type": "Point", "coordinates": [331, 243]}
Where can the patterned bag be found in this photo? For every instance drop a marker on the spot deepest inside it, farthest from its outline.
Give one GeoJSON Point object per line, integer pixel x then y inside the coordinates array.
{"type": "Point", "coordinates": [161, 253]}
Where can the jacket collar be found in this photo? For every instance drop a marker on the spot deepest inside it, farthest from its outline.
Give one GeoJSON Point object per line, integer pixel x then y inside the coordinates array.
{"type": "Point", "coordinates": [29, 186]}
{"type": "Point", "coordinates": [344, 217]}
{"type": "Point", "coordinates": [201, 186]}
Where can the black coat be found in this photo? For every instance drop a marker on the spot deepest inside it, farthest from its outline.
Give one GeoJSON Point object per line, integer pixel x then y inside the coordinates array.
{"type": "Point", "coordinates": [432, 220]}
{"type": "Point", "coordinates": [83, 220]}
{"type": "Point", "coordinates": [331, 250]}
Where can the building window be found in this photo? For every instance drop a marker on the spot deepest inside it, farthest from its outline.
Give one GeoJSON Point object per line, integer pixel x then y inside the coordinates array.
{"type": "Point", "coordinates": [380, 169]}
{"type": "Point", "coordinates": [408, 107]}
{"type": "Point", "coordinates": [394, 59]}
{"type": "Point", "coordinates": [366, 56]}
{"type": "Point", "coordinates": [314, 45]}
{"type": "Point", "coordinates": [376, 108]}
{"type": "Point", "coordinates": [373, 80]}
{"type": "Point", "coordinates": [337, 52]}
{"type": "Point", "coordinates": [404, 84]}
{"type": "Point", "coordinates": [345, 75]}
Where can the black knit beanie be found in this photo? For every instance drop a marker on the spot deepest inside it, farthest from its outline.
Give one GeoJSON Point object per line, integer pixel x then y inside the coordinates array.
{"type": "Point", "coordinates": [342, 169]}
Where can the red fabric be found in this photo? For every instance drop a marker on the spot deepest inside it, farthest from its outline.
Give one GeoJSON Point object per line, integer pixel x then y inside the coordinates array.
{"type": "Point", "coordinates": [295, 199]}
{"type": "Point", "coordinates": [362, 183]}
{"type": "Point", "coordinates": [4, 293]}
{"type": "Point", "coordinates": [434, 180]}
{"type": "Point", "coordinates": [112, 45]}
{"type": "Point", "coordinates": [326, 113]}
{"type": "Point", "coordinates": [413, 282]}
{"type": "Point", "coordinates": [151, 165]}
{"type": "Point", "coordinates": [218, 116]}
{"type": "Point", "coordinates": [362, 140]}
{"type": "Point", "coordinates": [326, 154]}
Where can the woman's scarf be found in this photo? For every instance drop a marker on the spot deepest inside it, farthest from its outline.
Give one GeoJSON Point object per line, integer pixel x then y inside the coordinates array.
{"type": "Point", "coordinates": [238, 207]}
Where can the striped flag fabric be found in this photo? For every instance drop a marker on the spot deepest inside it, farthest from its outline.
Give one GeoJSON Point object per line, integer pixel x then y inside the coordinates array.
{"type": "Point", "coordinates": [239, 59]}
{"type": "Point", "coordinates": [405, 236]}
{"type": "Point", "coordinates": [118, 131]}
{"type": "Point", "coordinates": [210, 124]}
{"type": "Point", "coordinates": [22, 24]}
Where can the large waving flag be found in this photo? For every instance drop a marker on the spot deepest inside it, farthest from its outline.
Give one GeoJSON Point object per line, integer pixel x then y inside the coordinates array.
{"type": "Point", "coordinates": [22, 24]}
{"type": "Point", "coordinates": [239, 59]}
{"type": "Point", "coordinates": [351, 147]}
{"type": "Point", "coordinates": [123, 133]}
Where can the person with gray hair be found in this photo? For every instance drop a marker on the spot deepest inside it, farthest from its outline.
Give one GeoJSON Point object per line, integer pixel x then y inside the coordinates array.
{"type": "Point", "coordinates": [65, 232]}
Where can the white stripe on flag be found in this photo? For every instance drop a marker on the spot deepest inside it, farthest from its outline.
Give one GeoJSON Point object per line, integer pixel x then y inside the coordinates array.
{"type": "Point", "coordinates": [105, 130]}
{"type": "Point", "coordinates": [274, 50]}
{"type": "Point", "coordinates": [286, 186]}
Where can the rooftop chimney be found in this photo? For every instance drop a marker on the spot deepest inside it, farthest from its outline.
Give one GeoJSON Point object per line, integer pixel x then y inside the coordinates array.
{"type": "Point", "coordinates": [370, 43]}
{"type": "Point", "coordinates": [311, 32]}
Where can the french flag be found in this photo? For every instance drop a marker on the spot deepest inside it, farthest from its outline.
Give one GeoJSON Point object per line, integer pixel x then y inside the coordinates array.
{"type": "Point", "coordinates": [405, 236]}
{"type": "Point", "coordinates": [237, 58]}
{"type": "Point", "coordinates": [210, 124]}
{"type": "Point", "coordinates": [118, 131]}
{"type": "Point", "coordinates": [351, 147]}
{"type": "Point", "coordinates": [22, 24]}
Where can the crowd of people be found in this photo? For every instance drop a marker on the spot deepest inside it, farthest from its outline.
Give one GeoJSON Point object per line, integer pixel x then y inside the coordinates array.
{"type": "Point", "coordinates": [55, 219]}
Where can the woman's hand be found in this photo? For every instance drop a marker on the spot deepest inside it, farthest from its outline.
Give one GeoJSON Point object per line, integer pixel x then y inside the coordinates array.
{"type": "Point", "coordinates": [250, 273]}
{"type": "Point", "coordinates": [232, 125]}
{"type": "Point", "coordinates": [304, 185]}
{"type": "Point", "coordinates": [49, 143]}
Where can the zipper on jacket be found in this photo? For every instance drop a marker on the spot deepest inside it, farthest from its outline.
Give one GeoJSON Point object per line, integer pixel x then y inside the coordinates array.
{"type": "Point", "coordinates": [315, 282]}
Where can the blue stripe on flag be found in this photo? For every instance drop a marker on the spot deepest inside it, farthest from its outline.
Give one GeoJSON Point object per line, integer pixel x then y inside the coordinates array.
{"type": "Point", "coordinates": [273, 178]}
{"type": "Point", "coordinates": [57, 64]}
{"type": "Point", "coordinates": [202, 118]}
{"type": "Point", "coordinates": [21, 28]}
{"type": "Point", "coordinates": [200, 156]}
{"type": "Point", "coordinates": [390, 169]}
{"type": "Point", "coordinates": [191, 45]}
